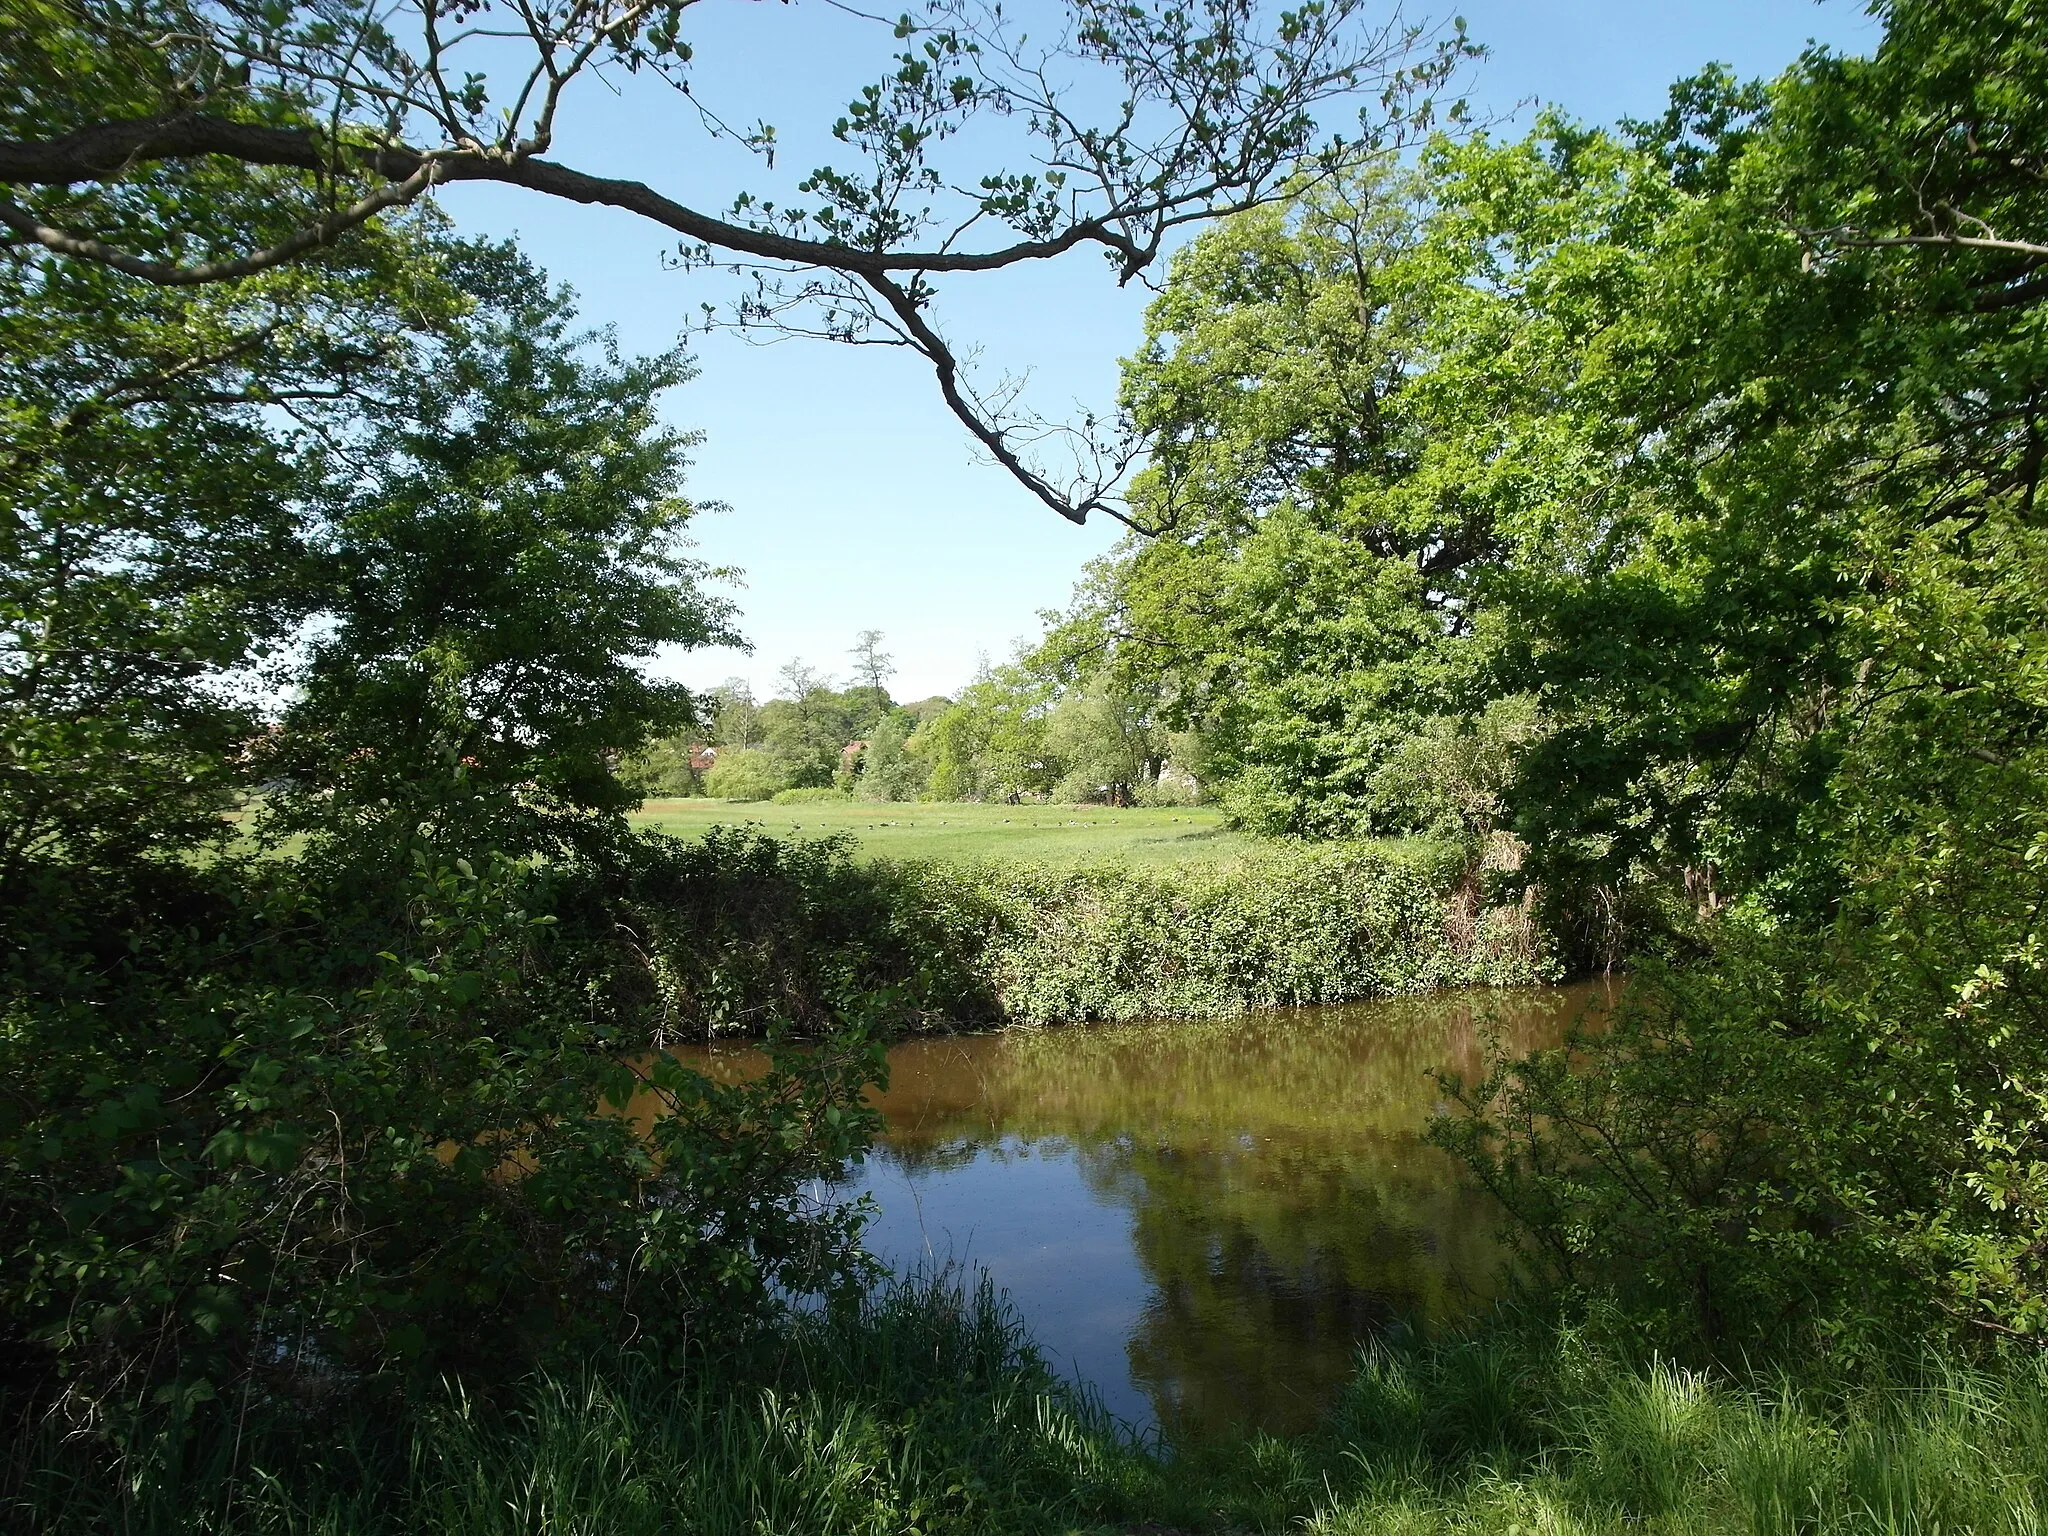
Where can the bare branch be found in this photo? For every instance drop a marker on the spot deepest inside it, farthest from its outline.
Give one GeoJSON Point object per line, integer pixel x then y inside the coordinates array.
{"type": "Point", "coordinates": [904, 304]}
{"type": "Point", "coordinates": [1855, 240]}
{"type": "Point", "coordinates": [106, 149]}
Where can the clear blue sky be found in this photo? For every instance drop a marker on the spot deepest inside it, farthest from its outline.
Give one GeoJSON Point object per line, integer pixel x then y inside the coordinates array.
{"type": "Point", "coordinates": [856, 500]}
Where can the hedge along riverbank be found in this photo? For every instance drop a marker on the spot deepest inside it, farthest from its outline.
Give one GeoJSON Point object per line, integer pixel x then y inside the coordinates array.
{"type": "Point", "coordinates": [744, 929]}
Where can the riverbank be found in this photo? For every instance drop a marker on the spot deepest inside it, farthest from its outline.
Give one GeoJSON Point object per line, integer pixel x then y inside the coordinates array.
{"type": "Point", "coordinates": [921, 1409]}
{"type": "Point", "coordinates": [748, 930]}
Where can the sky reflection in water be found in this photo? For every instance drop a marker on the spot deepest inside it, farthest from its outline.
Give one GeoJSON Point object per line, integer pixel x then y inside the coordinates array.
{"type": "Point", "coordinates": [1203, 1220]}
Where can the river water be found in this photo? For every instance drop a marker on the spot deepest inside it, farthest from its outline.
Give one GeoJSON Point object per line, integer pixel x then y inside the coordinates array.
{"type": "Point", "coordinates": [1202, 1221]}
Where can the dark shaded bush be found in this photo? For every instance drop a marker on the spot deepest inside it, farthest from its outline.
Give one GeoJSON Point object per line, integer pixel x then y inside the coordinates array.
{"type": "Point", "coordinates": [266, 1139]}
{"type": "Point", "coordinates": [1801, 1145]}
{"type": "Point", "coordinates": [741, 931]}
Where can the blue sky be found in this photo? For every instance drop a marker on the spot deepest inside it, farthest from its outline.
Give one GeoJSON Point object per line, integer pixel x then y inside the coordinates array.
{"type": "Point", "coordinates": [855, 499]}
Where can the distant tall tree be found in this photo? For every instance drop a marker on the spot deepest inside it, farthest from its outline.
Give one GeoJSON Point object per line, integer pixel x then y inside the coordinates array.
{"type": "Point", "coordinates": [802, 683]}
{"type": "Point", "coordinates": [807, 728]}
{"type": "Point", "coordinates": [1105, 742]}
{"type": "Point", "coordinates": [872, 669]}
{"type": "Point", "coordinates": [991, 743]}
{"type": "Point", "coordinates": [887, 771]}
{"type": "Point", "coordinates": [872, 666]}
{"type": "Point", "coordinates": [1324, 456]}
{"type": "Point", "coordinates": [735, 717]}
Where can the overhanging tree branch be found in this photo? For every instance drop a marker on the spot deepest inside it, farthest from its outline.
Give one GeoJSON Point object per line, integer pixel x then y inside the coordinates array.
{"type": "Point", "coordinates": [1212, 107]}
{"type": "Point", "coordinates": [322, 231]}
{"type": "Point", "coordinates": [1853, 239]}
{"type": "Point", "coordinates": [107, 150]}
{"type": "Point", "coordinates": [904, 305]}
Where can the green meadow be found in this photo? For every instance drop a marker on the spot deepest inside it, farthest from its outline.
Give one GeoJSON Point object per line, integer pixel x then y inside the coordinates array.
{"type": "Point", "coordinates": [968, 833]}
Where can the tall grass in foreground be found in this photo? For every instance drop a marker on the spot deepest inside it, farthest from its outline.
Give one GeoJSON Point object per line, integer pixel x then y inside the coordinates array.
{"type": "Point", "coordinates": [927, 1411]}
{"type": "Point", "coordinates": [1519, 1431]}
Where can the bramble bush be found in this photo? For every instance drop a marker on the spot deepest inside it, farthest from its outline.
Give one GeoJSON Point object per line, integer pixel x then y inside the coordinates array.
{"type": "Point", "coordinates": [1294, 924]}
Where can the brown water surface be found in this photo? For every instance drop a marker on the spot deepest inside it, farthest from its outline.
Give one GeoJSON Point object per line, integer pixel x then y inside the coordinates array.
{"type": "Point", "coordinates": [1203, 1220]}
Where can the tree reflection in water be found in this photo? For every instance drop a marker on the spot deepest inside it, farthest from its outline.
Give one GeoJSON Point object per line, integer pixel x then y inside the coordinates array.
{"type": "Point", "coordinates": [1281, 1204]}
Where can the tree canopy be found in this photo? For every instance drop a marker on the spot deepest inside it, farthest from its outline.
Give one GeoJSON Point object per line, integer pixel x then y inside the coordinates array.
{"type": "Point", "coordinates": [1666, 497]}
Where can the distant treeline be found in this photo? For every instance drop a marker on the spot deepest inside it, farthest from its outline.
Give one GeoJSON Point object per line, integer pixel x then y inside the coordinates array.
{"type": "Point", "coordinates": [1015, 733]}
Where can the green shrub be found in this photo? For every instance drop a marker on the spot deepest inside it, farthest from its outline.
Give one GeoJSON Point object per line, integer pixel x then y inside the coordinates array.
{"type": "Point", "coordinates": [818, 796]}
{"type": "Point", "coordinates": [1306, 924]}
{"type": "Point", "coordinates": [800, 926]}
{"type": "Point", "coordinates": [744, 773]}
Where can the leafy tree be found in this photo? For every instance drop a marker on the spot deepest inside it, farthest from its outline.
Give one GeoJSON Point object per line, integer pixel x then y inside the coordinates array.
{"type": "Point", "coordinates": [872, 669]}
{"type": "Point", "coordinates": [1105, 743]}
{"type": "Point", "coordinates": [506, 556]}
{"type": "Point", "coordinates": [744, 773]}
{"type": "Point", "coordinates": [990, 743]}
{"type": "Point", "coordinates": [735, 717]}
{"type": "Point", "coordinates": [1801, 664]}
{"type": "Point", "coordinates": [332, 1120]}
{"type": "Point", "coordinates": [807, 730]}
{"type": "Point", "coordinates": [1325, 421]}
{"type": "Point", "coordinates": [159, 453]}
{"type": "Point", "coordinates": [1137, 121]}
{"type": "Point", "coordinates": [888, 770]}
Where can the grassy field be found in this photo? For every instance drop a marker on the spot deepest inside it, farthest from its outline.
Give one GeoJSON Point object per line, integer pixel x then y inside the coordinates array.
{"type": "Point", "coordinates": [1053, 834]}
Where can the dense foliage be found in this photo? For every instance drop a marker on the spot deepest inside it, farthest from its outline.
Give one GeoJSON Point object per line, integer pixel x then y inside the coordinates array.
{"type": "Point", "coordinates": [1805, 667]}
{"type": "Point", "coordinates": [1291, 926]}
{"type": "Point", "coordinates": [751, 930]}
{"type": "Point", "coordinates": [1648, 516]}
{"type": "Point", "coordinates": [367, 569]}
{"type": "Point", "coordinates": [499, 562]}
{"type": "Point", "coordinates": [1666, 497]}
{"type": "Point", "coordinates": [265, 1139]}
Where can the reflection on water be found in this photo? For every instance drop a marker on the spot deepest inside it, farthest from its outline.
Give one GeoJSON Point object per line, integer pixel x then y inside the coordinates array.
{"type": "Point", "coordinates": [1202, 1220]}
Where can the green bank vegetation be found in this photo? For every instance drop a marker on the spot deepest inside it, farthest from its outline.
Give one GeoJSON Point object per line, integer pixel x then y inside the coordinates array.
{"type": "Point", "coordinates": [1638, 528]}
{"type": "Point", "coordinates": [748, 932]}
